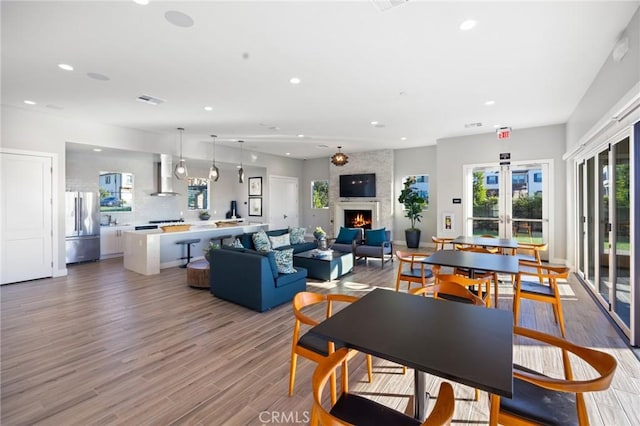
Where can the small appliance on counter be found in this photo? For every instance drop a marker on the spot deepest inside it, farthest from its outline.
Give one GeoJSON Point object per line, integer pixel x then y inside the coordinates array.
{"type": "Point", "coordinates": [82, 227]}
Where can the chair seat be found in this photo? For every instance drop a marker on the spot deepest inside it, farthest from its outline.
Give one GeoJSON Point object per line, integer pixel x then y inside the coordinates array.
{"type": "Point", "coordinates": [316, 343]}
{"type": "Point", "coordinates": [416, 273]}
{"type": "Point", "coordinates": [541, 405]}
{"type": "Point", "coordinates": [357, 410]}
{"type": "Point", "coordinates": [536, 288]}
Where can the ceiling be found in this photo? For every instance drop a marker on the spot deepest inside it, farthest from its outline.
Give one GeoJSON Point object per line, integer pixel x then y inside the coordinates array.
{"type": "Point", "coordinates": [410, 68]}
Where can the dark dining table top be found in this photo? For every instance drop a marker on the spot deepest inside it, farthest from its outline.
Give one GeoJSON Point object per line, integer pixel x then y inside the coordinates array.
{"type": "Point", "coordinates": [487, 242]}
{"type": "Point", "coordinates": [468, 344]}
{"type": "Point", "coordinates": [474, 261]}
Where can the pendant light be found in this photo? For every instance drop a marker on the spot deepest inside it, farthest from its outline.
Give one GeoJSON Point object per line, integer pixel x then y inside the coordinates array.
{"type": "Point", "coordinates": [339, 159]}
{"type": "Point", "coordinates": [181, 168]}
{"type": "Point", "coordinates": [241, 170]}
{"type": "Point", "coordinates": [214, 173]}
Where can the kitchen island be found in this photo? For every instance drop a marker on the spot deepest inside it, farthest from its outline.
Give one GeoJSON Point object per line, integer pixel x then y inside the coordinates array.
{"type": "Point", "coordinates": [147, 251]}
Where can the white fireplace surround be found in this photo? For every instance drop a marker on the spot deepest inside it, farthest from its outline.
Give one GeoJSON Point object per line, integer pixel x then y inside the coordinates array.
{"type": "Point", "coordinates": [340, 207]}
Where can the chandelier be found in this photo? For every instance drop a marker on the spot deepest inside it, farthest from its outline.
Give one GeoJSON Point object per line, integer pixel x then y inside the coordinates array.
{"type": "Point", "coordinates": [339, 158]}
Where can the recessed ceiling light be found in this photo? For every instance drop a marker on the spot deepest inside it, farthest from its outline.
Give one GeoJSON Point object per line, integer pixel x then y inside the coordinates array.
{"type": "Point", "coordinates": [300, 135]}
{"type": "Point", "coordinates": [287, 153]}
{"type": "Point", "coordinates": [495, 126]}
{"type": "Point", "coordinates": [208, 108]}
{"type": "Point", "coordinates": [97, 149]}
{"type": "Point", "coordinates": [403, 138]}
{"type": "Point", "coordinates": [142, 2]}
{"type": "Point", "coordinates": [65, 67]}
{"type": "Point", "coordinates": [489, 103]}
{"type": "Point", "coordinates": [98, 76]}
{"type": "Point", "coordinates": [179, 19]}
{"type": "Point", "coordinates": [467, 25]}
{"type": "Point", "coordinates": [28, 102]}
{"type": "Point", "coordinates": [294, 80]}
{"type": "Point", "coordinates": [374, 123]}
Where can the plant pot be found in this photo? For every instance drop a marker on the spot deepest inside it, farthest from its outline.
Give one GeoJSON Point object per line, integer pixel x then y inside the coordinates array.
{"type": "Point", "coordinates": [205, 217]}
{"type": "Point", "coordinates": [412, 237]}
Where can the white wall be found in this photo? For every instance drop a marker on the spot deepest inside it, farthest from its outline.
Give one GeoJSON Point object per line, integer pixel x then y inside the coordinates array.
{"type": "Point", "coordinates": [538, 143]}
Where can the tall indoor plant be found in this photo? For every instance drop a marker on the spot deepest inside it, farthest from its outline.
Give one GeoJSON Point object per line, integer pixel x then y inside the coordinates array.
{"type": "Point", "coordinates": [413, 205]}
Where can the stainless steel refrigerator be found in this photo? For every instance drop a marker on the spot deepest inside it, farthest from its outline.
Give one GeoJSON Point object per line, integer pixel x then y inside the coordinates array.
{"type": "Point", "coordinates": [82, 224]}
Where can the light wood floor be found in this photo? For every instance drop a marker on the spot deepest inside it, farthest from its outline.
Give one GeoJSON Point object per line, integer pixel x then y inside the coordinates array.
{"type": "Point", "coordinates": [108, 346]}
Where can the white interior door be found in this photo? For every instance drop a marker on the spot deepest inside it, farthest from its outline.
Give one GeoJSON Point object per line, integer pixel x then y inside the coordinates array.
{"type": "Point", "coordinates": [26, 217]}
{"type": "Point", "coordinates": [283, 202]}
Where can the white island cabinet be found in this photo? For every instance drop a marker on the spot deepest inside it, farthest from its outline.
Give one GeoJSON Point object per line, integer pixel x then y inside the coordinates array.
{"type": "Point", "coordinates": [112, 240]}
{"type": "Point", "coordinates": [148, 251]}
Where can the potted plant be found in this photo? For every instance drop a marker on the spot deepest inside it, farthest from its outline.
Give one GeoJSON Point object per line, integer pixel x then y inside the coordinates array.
{"type": "Point", "coordinates": [413, 205]}
{"type": "Point", "coordinates": [204, 215]}
{"type": "Point", "coordinates": [319, 233]}
{"type": "Point", "coordinates": [207, 250]}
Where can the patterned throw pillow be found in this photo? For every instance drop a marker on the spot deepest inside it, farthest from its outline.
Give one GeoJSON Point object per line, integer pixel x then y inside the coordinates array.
{"type": "Point", "coordinates": [237, 244]}
{"type": "Point", "coordinates": [284, 260]}
{"type": "Point", "coordinates": [280, 241]}
{"type": "Point", "coordinates": [297, 235]}
{"type": "Point", "coordinates": [261, 241]}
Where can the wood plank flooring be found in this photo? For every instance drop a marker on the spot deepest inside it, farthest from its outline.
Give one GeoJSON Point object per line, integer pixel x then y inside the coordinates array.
{"type": "Point", "coordinates": [108, 346]}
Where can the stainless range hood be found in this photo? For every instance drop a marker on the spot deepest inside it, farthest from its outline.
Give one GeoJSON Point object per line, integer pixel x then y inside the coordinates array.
{"type": "Point", "coordinates": [164, 170]}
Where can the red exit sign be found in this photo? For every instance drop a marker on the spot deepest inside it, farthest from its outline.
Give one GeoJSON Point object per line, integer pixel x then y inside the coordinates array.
{"type": "Point", "coordinates": [504, 133]}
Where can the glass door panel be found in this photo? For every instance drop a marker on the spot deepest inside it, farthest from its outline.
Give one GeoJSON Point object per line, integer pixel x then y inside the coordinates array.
{"type": "Point", "coordinates": [526, 206]}
{"type": "Point", "coordinates": [590, 225]}
{"type": "Point", "coordinates": [485, 193]}
{"type": "Point", "coordinates": [604, 283]}
{"type": "Point", "coordinates": [580, 228]}
{"type": "Point", "coordinates": [622, 232]}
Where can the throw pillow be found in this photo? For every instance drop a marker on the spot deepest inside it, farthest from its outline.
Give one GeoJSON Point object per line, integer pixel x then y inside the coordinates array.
{"type": "Point", "coordinates": [375, 237]}
{"type": "Point", "coordinates": [297, 235]}
{"type": "Point", "coordinates": [284, 260]}
{"type": "Point", "coordinates": [346, 235]}
{"type": "Point", "coordinates": [237, 244]}
{"type": "Point", "coordinates": [280, 241]}
{"type": "Point", "coordinates": [261, 241]}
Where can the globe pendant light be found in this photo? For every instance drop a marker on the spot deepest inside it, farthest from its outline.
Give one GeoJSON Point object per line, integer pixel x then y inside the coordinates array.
{"type": "Point", "coordinates": [240, 170]}
{"type": "Point", "coordinates": [181, 168]}
{"type": "Point", "coordinates": [339, 158]}
{"type": "Point", "coordinates": [214, 173]}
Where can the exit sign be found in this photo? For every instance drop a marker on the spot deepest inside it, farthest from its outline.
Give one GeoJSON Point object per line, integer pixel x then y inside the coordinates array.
{"type": "Point", "coordinates": [504, 133]}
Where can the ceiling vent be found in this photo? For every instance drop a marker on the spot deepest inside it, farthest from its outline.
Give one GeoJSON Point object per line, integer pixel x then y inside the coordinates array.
{"type": "Point", "coordinates": [150, 99]}
{"type": "Point", "coordinates": [472, 125]}
{"type": "Point", "coordinates": [383, 5]}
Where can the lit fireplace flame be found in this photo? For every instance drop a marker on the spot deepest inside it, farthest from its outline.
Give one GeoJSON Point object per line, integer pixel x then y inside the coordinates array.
{"type": "Point", "coordinates": [359, 221]}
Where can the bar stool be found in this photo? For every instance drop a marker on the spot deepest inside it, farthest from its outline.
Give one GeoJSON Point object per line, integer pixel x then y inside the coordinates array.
{"type": "Point", "coordinates": [188, 244]}
{"type": "Point", "coordinates": [220, 239]}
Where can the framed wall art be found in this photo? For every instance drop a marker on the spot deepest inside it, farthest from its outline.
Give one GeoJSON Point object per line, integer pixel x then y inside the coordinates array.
{"type": "Point", "coordinates": [255, 206]}
{"type": "Point", "coordinates": [255, 186]}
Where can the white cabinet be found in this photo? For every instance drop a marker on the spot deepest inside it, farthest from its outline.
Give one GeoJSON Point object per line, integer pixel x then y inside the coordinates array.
{"type": "Point", "coordinates": [112, 240]}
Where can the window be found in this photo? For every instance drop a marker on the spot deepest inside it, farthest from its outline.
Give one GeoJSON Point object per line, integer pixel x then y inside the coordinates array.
{"type": "Point", "coordinates": [198, 194]}
{"type": "Point", "coordinates": [492, 180]}
{"type": "Point", "coordinates": [116, 191]}
{"type": "Point", "coordinates": [422, 186]}
{"type": "Point", "coordinates": [320, 194]}
{"type": "Point", "coordinates": [537, 177]}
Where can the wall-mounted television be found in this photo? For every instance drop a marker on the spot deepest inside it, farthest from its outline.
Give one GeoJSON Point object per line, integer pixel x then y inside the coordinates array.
{"type": "Point", "coordinates": [362, 185]}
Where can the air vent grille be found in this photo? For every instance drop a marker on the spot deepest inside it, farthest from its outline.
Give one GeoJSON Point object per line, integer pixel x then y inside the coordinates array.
{"type": "Point", "coordinates": [150, 100]}
{"type": "Point", "coordinates": [472, 125]}
{"type": "Point", "coordinates": [383, 5]}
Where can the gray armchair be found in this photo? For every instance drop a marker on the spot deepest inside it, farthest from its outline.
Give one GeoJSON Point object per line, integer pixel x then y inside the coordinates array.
{"type": "Point", "coordinates": [348, 246]}
{"type": "Point", "coordinates": [377, 244]}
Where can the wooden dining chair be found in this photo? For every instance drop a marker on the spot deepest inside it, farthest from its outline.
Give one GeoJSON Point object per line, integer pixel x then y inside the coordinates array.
{"type": "Point", "coordinates": [481, 274]}
{"type": "Point", "coordinates": [441, 242]}
{"type": "Point", "coordinates": [449, 290]}
{"type": "Point", "coordinates": [481, 285]}
{"type": "Point", "coordinates": [312, 346]}
{"type": "Point", "coordinates": [412, 270]}
{"type": "Point", "coordinates": [351, 409]}
{"type": "Point", "coordinates": [530, 251]}
{"type": "Point", "coordinates": [544, 289]}
{"type": "Point", "coordinates": [490, 249]}
{"type": "Point", "coordinates": [540, 399]}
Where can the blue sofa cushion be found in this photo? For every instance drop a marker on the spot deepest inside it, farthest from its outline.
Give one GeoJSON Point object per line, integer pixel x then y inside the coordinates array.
{"type": "Point", "coordinates": [272, 261]}
{"type": "Point", "coordinates": [297, 235]}
{"type": "Point", "coordinates": [346, 235]}
{"type": "Point", "coordinates": [284, 280]}
{"type": "Point", "coordinates": [284, 260]}
{"type": "Point", "coordinates": [247, 241]}
{"type": "Point", "coordinates": [277, 232]}
{"type": "Point", "coordinates": [261, 241]}
{"type": "Point", "coordinates": [375, 237]}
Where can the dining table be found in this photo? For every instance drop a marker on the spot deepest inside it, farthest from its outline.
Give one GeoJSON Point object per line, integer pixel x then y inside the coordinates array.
{"type": "Point", "coordinates": [503, 243]}
{"type": "Point", "coordinates": [474, 262]}
{"type": "Point", "coordinates": [464, 343]}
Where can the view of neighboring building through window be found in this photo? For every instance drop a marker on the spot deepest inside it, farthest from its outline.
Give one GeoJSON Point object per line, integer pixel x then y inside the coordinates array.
{"type": "Point", "coordinates": [320, 194]}
{"type": "Point", "coordinates": [198, 194]}
{"type": "Point", "coordinates": [116, 191]}
{"type": "Point", "coordinates": [492, 180]}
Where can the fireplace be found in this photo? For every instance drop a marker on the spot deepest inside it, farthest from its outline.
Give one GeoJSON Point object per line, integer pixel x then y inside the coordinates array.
{"type": "Point", "coordinates": [359, 218]}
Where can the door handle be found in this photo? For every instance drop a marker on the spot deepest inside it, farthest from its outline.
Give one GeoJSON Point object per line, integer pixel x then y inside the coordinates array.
{"type": "Point", "coordinates": [508, 219]}
{"type": "Point", "coordinates": [284, 216]}
{"type": "Point", "coordinates": [501, 218]}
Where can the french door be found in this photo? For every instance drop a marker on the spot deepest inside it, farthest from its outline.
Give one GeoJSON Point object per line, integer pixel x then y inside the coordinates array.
{"type": "Point", "coordinates": [508, 201]}
{"type": "Point", "coordinates": [604, 227]}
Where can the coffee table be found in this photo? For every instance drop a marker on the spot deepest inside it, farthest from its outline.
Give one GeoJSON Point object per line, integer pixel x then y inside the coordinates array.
{"type": "Point", "coordinates": [324, 265]}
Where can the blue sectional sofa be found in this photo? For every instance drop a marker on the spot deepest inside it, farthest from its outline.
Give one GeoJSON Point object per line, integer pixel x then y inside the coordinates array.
{"type": "Point", "coordinates": [247, 241]}
{"type": "Point", "coordinates": [251, 279]}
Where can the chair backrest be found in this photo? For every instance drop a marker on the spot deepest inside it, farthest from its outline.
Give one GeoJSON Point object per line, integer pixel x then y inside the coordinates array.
{"type": "Point", "coordinates": [441, 414]}
{"type": "Point", "coordinates": [307, 298]}
{"type": "Point", "coordinates": [545, 273]}
{"type": "Point", "coordinates": [532, 249]}
{"type": "Point", "coordinates": [444, 288]}
{"type": "Point", "coordinates": [410, 256]}
{"type": "Point", "coordinates": [440, 242]}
